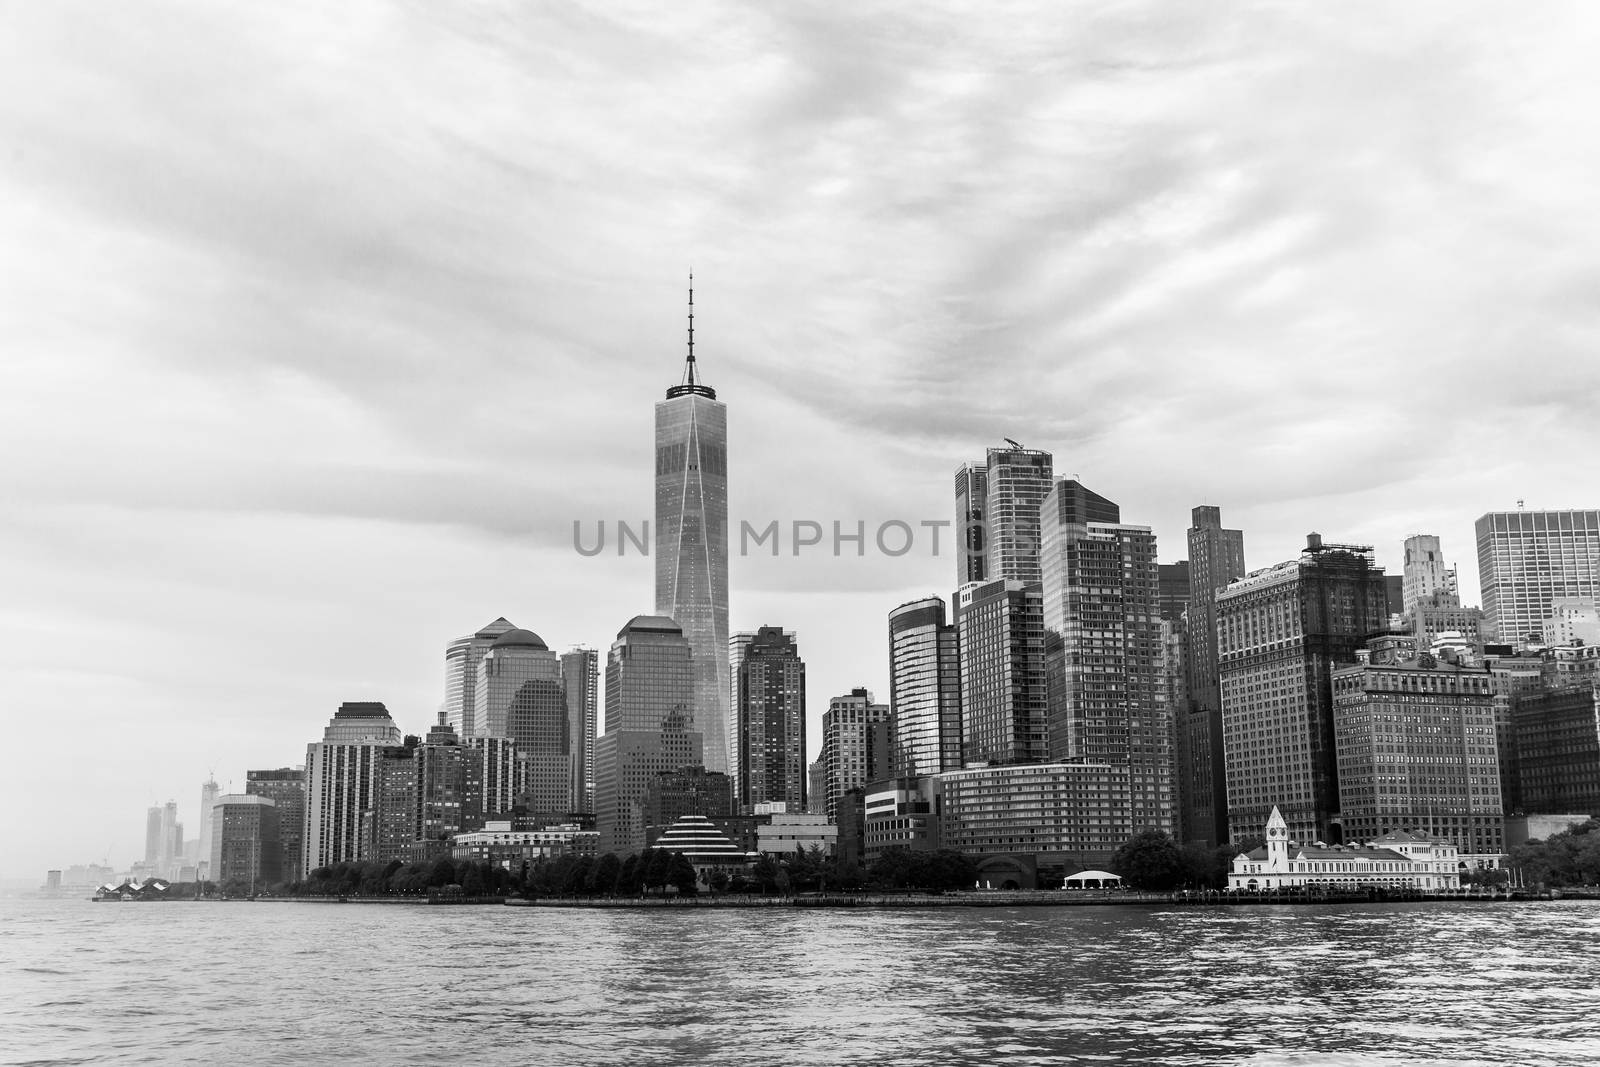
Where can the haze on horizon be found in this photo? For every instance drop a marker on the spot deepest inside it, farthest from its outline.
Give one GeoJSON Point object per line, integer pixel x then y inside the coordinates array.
{"type": "Point", "coordinates": [323, 326]}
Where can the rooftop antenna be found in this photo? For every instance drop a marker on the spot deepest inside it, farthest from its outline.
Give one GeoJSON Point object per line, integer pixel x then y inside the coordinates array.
{"type": "Point", "coordinates": [689, 366]}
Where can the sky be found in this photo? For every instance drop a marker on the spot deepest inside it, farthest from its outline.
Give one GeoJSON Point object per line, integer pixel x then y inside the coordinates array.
{"type": "Point", "coordinates": [323, 324]}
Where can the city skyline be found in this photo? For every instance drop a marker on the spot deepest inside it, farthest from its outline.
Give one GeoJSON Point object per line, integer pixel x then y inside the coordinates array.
{"type": "Point", "coordinates": [306, 423]}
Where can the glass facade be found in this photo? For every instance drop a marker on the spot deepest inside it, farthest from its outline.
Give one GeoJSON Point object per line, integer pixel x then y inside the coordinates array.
{"type": "Point", "coordinates": [691, 550]}
{"type": "Point", "coordinates": [924, 689]}
{"type": "Point", "coordinates": [1001, 630]}
{"type": "Point", "coordinates": [520, 695]}
{"type": "Point", "coordinates": [580, 677]}
{"type": "Point", "coordinates": [1016, 483]}
{"type": "Point", "coordinates": [461, 659]}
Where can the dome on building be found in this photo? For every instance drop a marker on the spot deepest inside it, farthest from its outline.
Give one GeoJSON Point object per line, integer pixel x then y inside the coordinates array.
{"type": "Point", "coordinates": [520, 639]}
{"type": "Point", "coordinates": [657, 623]}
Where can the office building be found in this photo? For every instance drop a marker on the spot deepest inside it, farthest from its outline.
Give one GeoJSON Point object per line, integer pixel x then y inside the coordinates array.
{"type": "Point", "coordinates": [1103, 652]}
{"type": "Point", "coordinates": [1426, 575]}
{"type": "Point", "coordinates": [1527, 560]}
{"type": "Point", "coordinates": [286, 788]}
{"type": "Point", "coordinates": [341, 782]}
{"type": "Point", "coordinates": [1416, 749]}
{"type": "Point", "coordinates": [900, 813]}
{"type": "Point", "coordinates": [1216, 557]}
{"type": "Point", "coordinates": [1556, 732]}
{"type": "Point", "coordinates": [770, 721]}
{"type": "Point", "coordinates": [461, 659]}
{"type": "Point", "coordinates": [691, 542]}
{"type": "Point", "coordinates": [972, 533]}
{"type": "Point", "coordinates": [1572, 621]}
{"type": "Point", "coordinates": [580, 679]}
{"type": "Point", "coordinates": [1281, 632]}
{"type": "Point", "coordinates": [520, 695]}
{"type": "Point", "coordinates": [649, 725]}
{"type": "Point", "coordinates": [1000, 626]}
{"type": "Point", "coordinates": [245, 849]}
{"type": "Point", "coordinates": [857, 747]}
{"type": "Point", "coordinates": [924, 689]}
{"type": "Point", "coordinates": [1173, 582]}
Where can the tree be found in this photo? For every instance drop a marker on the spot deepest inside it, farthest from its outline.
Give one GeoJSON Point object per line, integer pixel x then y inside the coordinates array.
{"type": "Point", "coordinates": [682, 875]}
{"type": "Point", "coordinates": [765, 873]}
{"type": "Point", "coordinates": [657, 870]}
{"type": "Point", "coordinates": [603, 879]}
{"type": "Point", "coordinates": [442, 873]}
{"type": "Point", "coordinates": [1149, 860]}
{"type": "Point", "coordinates": [629, 882]}
{"type": "Point", "coordinates": [472, 882]}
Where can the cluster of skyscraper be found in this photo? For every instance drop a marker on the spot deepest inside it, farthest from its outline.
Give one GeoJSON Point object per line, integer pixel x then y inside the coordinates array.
{"type": "Point", "coordinates": [1084, 692]}
{"type": "Point", "coordinates": [1072, 692]}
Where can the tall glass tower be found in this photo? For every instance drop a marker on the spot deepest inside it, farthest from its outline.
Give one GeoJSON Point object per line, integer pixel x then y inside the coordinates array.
{"type": "Point", "coordinates": [691, 542]}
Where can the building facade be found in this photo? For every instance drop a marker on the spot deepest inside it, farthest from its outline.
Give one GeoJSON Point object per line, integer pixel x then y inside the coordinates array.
{"type": "Point", "coordinates": [1396, 860]}
{"type": "Point", "coordinates": [857, 746]}
{"type": "Point", "coordinates": [1557, 738]}
{"type": "Point", "coordinates": [691, 542]}
{"type": "Point", "coordinates": [286, 788]}
{"type": "Point", "coordinates": [580, 679]}
{"type": "Point", "coordinates": [1015, 484]}
{"type": "Point", "coordinates": [1070, 814]}
{"type": "Point", "coordinates": [1529, 559]}
{"type": "Point", "coordinates": [341, 783]}
{"type": "Point", "coordinates": [649, 725]}
{"type": "Point", "coordinates": [245, 849]}
{"type": "Point", "coordinates": [1104, 657]}
{"type": "Point", "coordinates": [1281, 632]}
{"type": "Point", "coordinates": [1216, 557]}
{"type": "Point", "coordinates": [972, 534]}
{"type": "Point", "coordinates": [924, 689]}
{"type": "Point", "coordinates": [770, 718]}
{"type": "Point", "coordinates": [1000, 629]}
{"type": "Point", "coordinates": [1416, 749]}
{"type": "Point", "coordinates": [461, 658]}
{"type": "Point", "coordinates": [520, 695]}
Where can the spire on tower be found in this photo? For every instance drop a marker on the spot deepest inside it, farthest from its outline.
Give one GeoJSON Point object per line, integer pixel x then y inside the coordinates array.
{"type": "Point", "coordinates": [691, 385]}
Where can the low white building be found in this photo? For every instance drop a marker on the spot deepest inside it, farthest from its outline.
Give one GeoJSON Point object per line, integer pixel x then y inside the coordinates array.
{"type": "Point", "coordinates": [1398, 859]}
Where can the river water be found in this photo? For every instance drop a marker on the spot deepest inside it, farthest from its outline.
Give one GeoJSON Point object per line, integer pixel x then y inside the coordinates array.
{"type": "Point", "coordinates": [357, 984]}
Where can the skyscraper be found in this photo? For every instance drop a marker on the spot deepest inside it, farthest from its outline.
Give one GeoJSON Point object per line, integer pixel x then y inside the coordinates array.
{"type": "Point", "coordinates": [1216, 557]}
{"type": "Point", "coordinates": [770, 712]}
{"type": "Point", "coordinates": [1425, 575]}
{"type": "Point", "coordinates": [1281, 632]}
{"type": "Point", "coordinates": [691, 541]}
{"type": "Point", "coordinates": [1017, 480]}
{"type": "Point", "coordinates": [341, 777]}
{"type": "Point", "coordinates": [924, 689]}
{"type": "Point", "coordinates": [857, 742]}
{"type": "Point", "coordinates": [208, 798]}
{"type": "Point", "coordinates": [649, 727]}
{"type": "Point", "coordinates": [246, 853]}
{"type": "Point", "coordinates": [1529, 559]}
{"type": "Point", "coordinates": [580, 677]}
{"type": "Point", "coordinates": [1104, 655]}
{"type": "Point", "coordinates": [1001, 642]}
{"type": "Point", "coordinates": [461, 658]}
{"type": "Point", "coordinates": [520, 695]}
{"type": "Point", "coordinates": [972, 532]}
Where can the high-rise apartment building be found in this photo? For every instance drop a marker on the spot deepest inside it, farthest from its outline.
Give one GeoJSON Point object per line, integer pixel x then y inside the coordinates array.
{"type": "Point", "coordinates": [500, 779]}
{"type": "Point", "coordinates": [580, 678]}
{"type": "Point", "coordinates": [1000, 625]}
{"type": "Point", "coordinates": [738, 645]}
{"type": "Point", "coordinates": [1281, 632]}
{"type": "Point", "coordinates": [1216, 557]}
{"type": "Point", "coordinates": [1103, 651]}
{"type": "Point", "coordinates": [461, 658]}
{"type": "Point", "coordinates": [286, 788]}
{"type": "Point", "coordinates": [1016, 483]}
{"type": "Point", "coordinates": [924, 689]}
{"type": "Point", "coordinates": [691, 542]}
{"type": "Point", "coordinates": [1415, 747]}
{"type": "Point", "coordinates": [429, 789]}
{"type": "Point", "coordinates": [341, 782]}
{"type": "Point", "coordinates": [1527, 560]}
{"type": "Point", "coordinates": [857, 746]}
{"type": "Point", "coordinates": [770, 713]}
{"type": "Point", "coordinates": [520, 695]}
{"type": "Point", "coordinates": [649, 725]}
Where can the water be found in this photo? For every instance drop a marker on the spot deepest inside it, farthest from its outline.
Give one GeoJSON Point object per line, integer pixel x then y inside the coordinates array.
{"type": "Point", "coordinates": [358, 984]}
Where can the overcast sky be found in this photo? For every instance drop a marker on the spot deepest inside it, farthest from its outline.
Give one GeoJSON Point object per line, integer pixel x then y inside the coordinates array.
{"type": "Point", "coordinates": [323, 323]}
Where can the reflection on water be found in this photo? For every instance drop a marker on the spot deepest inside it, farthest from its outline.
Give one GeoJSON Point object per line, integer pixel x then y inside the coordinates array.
{"type": "Point", "coordinates": [257, 983]}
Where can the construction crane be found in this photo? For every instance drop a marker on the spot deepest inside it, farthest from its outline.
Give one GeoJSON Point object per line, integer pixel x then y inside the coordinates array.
{"type": "Point", "coordinates": [1013, 444]}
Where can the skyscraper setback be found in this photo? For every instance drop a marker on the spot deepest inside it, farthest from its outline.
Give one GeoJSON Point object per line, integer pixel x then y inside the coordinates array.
{"type": "Point", "coordinates": [691, 542]}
